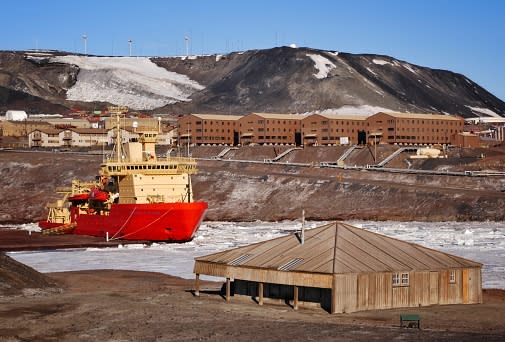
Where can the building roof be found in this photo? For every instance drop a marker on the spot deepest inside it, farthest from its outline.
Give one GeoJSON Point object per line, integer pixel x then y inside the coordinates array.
{"type": "Point", "coordinates": [337, 248]}
{"type": "Point", "coordinates": [47, 130]}
{"type": "Point", "coordinates": [340, 116]}
{"type": "Point", "coordinates": [223, 117]}
{"type": "Point", "coordinates": [421, 116]}
{"type": "Point", "coordinates": [279, 116]}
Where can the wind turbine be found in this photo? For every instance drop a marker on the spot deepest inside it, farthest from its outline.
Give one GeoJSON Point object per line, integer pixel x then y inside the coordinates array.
{"type": "Point", "coordinates": [130, 42]}
{"type": "Point", "coordinates": [186, 38]}
{"type": "Point", "coordinates": [85, 38]}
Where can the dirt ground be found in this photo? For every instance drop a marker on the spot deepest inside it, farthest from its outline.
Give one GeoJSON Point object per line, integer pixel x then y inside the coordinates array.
{"type": "Point", "coordinates": [237, 191]}
{"type": "Point", "coordinates": [111, 305]}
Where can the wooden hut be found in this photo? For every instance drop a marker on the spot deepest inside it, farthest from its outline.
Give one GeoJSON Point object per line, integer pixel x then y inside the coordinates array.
{"type": "Point", "coordinates": [345, 269]}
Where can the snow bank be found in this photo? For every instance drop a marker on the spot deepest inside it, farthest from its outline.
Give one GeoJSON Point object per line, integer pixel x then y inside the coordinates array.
{"type": "Point", "coordinates": [380, 62]}
{"type": "Point", "coordinates": [480, 241]}
{"type": "Point", "coordinates": [485, 111]}
{"type": "Point", "coordinates": [135, 82]}
{"type": "Point", "coordinates": [350, 110]}
{"type": "Point", "coordinates": [322, 64]}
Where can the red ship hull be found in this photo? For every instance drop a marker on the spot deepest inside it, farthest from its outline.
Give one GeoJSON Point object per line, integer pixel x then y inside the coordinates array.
{"type": "Point", "coordinates": [171, 222]}
{"type": "Point", "coordinates": [176, 222]}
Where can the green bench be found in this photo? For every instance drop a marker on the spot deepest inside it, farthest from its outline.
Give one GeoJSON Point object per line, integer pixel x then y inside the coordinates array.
{"type": "Point", "coordinates": [410, 321]}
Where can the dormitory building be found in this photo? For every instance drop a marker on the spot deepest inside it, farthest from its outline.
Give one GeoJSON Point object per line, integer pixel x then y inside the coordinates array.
{"type": "Point", "coordinates": [319, 129]}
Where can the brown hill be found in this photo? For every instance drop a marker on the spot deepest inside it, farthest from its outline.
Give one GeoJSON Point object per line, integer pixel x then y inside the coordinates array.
{"type": "Point", "coordinates": [283, 80]}
{"type": "Point", "coordinates": [17, 278]}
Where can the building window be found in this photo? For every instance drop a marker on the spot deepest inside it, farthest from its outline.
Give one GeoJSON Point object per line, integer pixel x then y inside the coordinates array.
{"type": "Point", "coordinates": [396, 279]}
{"type": "Point", "coordinates": [405, 279]}
{"type": "Point", "coordinates": [452, 277]}
{"type": "Point", "coordinates": [400, 279]}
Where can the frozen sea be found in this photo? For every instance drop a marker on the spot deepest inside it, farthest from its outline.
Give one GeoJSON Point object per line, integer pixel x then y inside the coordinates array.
{"type": "Point", "coordinates": [479, 241]}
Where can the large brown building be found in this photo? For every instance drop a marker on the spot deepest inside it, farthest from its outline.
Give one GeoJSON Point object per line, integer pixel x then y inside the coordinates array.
{"type": "Point", "coordinates": [411, 128]}
{"type": "Point", "coordinates": [319, 129]}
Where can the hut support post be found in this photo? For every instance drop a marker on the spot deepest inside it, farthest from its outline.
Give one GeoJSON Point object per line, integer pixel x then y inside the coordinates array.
{"type": "Point", "coordinates": [228, 289]}
{"type": "Point", "coordinates": [197, 285]}
{"type": "Point", "coordinates": [260, 293]}
{"type": "Point", "coordinates": [295, 299]}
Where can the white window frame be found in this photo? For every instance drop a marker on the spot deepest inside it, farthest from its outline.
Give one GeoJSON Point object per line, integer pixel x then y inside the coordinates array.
{"type": "Point", "coordinates": [405, 279]}
{"type": "Point", "coordinates": [400, 279]}
{"type": "Point", "coordinates": [396, 279]}
{"type": "Point", "coordinates": [452, 277]}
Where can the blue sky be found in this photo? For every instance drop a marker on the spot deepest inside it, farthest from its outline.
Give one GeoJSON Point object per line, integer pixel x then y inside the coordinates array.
{"type": "Point", "coordinates": [463, 36]}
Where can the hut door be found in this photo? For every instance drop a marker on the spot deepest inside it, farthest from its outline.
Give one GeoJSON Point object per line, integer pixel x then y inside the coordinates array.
{"type": "Point", "coordinates": [433, 287]}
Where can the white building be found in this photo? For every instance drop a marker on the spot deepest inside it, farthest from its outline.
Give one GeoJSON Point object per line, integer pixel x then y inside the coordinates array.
{"type": "Point", "coordinates": [15, 115]}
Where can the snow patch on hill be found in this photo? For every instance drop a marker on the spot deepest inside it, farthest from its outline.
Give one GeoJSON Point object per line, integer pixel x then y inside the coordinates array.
{"type": "Point", "coordinates": [354, 110]}
{"type": "Point", "coordinates": [380, 62]}
{"type": "Point", "coordinates": [484, 111]}
{"type": "Point", "coordinates": [322, 64]}
{"type": "Point", "coordinates": [135, 82]}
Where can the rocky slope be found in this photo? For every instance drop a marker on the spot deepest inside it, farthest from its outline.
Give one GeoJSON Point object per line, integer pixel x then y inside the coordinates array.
{"type": "Point", "coordinates": [274, 80]}
{"type": "Point", "coordinates": [257, 191]}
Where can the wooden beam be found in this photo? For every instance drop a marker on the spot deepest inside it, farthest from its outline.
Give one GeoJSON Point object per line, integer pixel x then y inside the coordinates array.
{"type": "Point", "coordinates": [227, 289]}
{"type": "Point", "coordinates": [295, 297]}
{"type": "Point", "coordinates": [197, 285]}
{"type": "Point", "coordinates": [260, 293]}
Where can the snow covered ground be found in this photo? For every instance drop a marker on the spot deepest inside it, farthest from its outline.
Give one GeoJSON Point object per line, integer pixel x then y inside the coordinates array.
{"type": "Point", "coordinates": [135, 82]}
{"type": "Point", "coordinates": [322, 64]}
{"type": "Point", "coordinates": [479, 241]}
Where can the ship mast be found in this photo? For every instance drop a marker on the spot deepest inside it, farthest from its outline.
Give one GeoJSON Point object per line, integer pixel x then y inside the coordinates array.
{"type": "Point", "coordinates": [118, 137]}
{"type": "Point", "coordinates": [117, 110]}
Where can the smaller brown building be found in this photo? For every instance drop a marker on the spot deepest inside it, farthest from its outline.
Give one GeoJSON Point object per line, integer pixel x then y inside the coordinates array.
{"type": "Point", "coordinates": [345, 269]}
{"type": "Point", "coordinates": [412, 128]}
{"type": "Point", "coordinates": [270, 128]}
{"type": "Point", "coordinates": [333, 129]}
{"type": "Point", "coordinates": [208, 129]}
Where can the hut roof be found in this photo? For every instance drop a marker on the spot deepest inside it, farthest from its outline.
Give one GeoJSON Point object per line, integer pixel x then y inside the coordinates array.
{"type": "Point", "coordinates": [337, 248]}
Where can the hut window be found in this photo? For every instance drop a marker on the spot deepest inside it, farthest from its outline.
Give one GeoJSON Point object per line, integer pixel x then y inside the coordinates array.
{"type": "Point", "coordinates": [396, 279]}
{"type": "Point", "coordinates": [290, 264]}
{"type": "Point", "coordinates": [400, 279]}
{"type": "Point", "coordinates": [405, 278]}
{"type": "Point", "coordinates": [452, 277]}
{"type": "Point", "coordinates": [240, 259]}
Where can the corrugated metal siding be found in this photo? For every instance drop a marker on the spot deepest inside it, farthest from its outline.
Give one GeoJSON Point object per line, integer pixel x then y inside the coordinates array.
{"type": "Point", "coordinates": [455, 290]}
{"type": "Point", "coordinates": [380, 296]}
{"type": "Point", "coordinates": [419, 288]}
{"type": "Point", "coordinates": [443, 277]}
{"type": "Point", "coordinates": [400, 296]}
{"type": "Point", "coordinates": [472, 290]}
{"type": "Point", "coordinates": [363, 292]}
{"type": "Point", "coordinates": [345, 293]}
{"type": "Point", "coordinates": [434, 287]}
{"type": "Point", "coordinates": [212, 269]}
